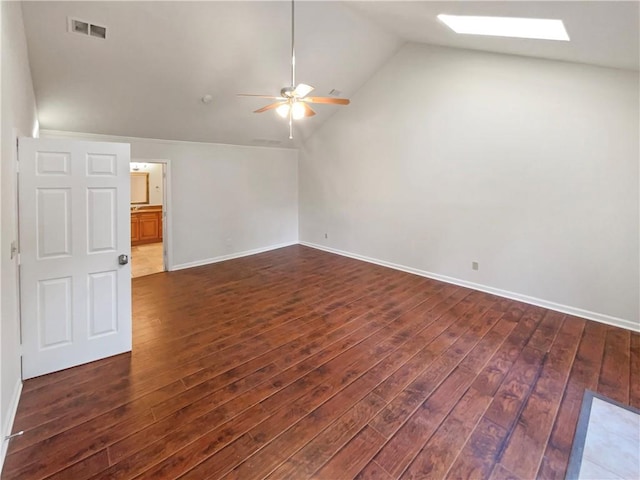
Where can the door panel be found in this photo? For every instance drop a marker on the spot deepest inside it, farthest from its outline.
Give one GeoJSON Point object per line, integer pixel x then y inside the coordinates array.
{"type": "Point", "coordinates": [103, 305]}
{"type": "Point", "coordinates": [53, 222]}
{"type": "Point", "coordinates": [74, 223]}
{"type": "Point", "coordinates": [53, 163]}
{"type": "Point", "coordinates": [148, 226]}
{"type": "Point", "coordinates": [101, 165]}
{"type": "Point", "coordinates": [102, 215]}
{"type": "Point", "coordinates": [54, 312]}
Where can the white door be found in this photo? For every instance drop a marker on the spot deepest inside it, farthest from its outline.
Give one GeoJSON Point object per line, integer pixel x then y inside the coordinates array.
{"type": "Point", "coordinates": [74, 224]}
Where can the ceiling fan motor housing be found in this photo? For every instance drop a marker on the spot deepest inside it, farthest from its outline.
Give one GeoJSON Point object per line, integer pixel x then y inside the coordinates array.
{"type": "Point", "coordinates": [287, 92]}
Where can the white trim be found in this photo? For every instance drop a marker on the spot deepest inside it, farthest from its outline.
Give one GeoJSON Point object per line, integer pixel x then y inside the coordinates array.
{"type": "Point", "coordinates": [231, 256]}
{"type": "Point", "coordinates": [6, 428]}
{"type": "Point", "coordinates": [167, 222]}
{"type": "Point", "coordinates": [121, 138]}
{"type": "Point", "coordinates": [578, 312]}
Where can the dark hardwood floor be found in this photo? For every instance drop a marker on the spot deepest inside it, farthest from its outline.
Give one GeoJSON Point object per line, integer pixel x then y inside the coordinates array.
{"type": "Point", "coordinates": [298, 363]}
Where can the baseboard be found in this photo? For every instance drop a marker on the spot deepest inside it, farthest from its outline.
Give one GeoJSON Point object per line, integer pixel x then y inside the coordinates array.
{"type": "Point", "coordinates": [231, 256]}
{"type": "Point", "coordinates": [8, 424]}
{"type": "Point", "coordinates": [578, 312]}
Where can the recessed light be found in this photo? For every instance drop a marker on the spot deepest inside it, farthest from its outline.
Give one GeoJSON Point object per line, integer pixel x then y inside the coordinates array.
{"type": "Point", "coordinates": [538, 28]}
{"type": "Point", "coordinates": [207, 99]}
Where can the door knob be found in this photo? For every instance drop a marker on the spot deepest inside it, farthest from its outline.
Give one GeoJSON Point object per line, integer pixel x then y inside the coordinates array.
{"type": "Point", "coordinates": [123, 259]}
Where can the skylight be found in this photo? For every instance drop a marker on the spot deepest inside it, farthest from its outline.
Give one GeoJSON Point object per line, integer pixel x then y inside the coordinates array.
{"type": "Point", "coordinates": [538, 28]}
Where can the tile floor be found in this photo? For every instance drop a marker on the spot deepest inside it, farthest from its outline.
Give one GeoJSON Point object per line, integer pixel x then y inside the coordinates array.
{"type": "Point", "coordinates": [146, 259]}
{"type": "Point", "coordinates": [612, 443]}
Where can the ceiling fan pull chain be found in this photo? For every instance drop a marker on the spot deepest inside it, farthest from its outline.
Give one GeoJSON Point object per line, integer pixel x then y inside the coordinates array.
{"type": "Point", "coordinates": [290, 125]}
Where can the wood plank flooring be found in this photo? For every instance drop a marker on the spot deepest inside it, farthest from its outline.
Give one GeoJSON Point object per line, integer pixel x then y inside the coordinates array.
{"type": "Point", "coordinates": [301, 364]}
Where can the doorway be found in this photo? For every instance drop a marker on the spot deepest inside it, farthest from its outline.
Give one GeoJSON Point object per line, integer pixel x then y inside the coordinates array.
{"type": "Point", "coordinates": [148, 217]}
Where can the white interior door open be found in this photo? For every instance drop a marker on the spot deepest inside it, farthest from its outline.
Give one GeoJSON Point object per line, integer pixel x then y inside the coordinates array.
{"type": "Point", "coordinates": [75, 287]}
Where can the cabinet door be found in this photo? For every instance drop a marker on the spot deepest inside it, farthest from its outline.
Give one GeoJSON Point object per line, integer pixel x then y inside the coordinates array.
{"type": "Point", "coordinates": [135, 231]}
{"type": "Point", "coordinates": [148, 226]}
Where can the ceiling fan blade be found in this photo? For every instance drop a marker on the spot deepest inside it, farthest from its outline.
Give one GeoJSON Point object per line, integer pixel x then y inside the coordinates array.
{"type": "Point", "coordinates": [259, 96]}
{"type": "Point", "coordinates": [308, 111]}
{"type": "Point", "coordinates": [271, 106]}
{"type": "Point", "coordinates": [302, 90]}
{"type": "Point", "coordinates": [336, 101]}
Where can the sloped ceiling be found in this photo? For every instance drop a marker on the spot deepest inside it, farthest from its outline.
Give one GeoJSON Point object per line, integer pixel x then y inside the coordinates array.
{"type": "Point", "coordinates": [604, 33]}
{"type": "Point", "coordinates": [160, 58]}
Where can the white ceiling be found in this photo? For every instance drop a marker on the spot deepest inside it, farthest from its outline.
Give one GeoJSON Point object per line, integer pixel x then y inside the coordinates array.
{"type": "Point", "coordinates": [160, 58]}
{"type": "Point", "coordinates": [602, 33]}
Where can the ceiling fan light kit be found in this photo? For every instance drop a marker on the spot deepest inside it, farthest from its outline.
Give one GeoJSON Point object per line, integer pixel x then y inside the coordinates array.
{"type": "Point", "coordinates": [293, 102]}
{"type": "Point", "coordinates": [296, 109]}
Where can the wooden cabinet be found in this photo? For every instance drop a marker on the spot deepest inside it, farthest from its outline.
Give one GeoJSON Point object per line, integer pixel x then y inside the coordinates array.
{"type": "Point", "coordinates": [146, 225]}
{"type": "Point", "coordinates": [135, 233]}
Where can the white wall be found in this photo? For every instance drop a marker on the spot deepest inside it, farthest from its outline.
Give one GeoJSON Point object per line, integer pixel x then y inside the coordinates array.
{"type": "Point", "coordinates": [225, 199]}
{"type": "Point", "coordinates": [155, 183]}
{"type": "Point", "coordinates": [529, 167]}
{"type": "Point", "coordinates": [18, 118]}
{"type": "Point", "coordinates": [155, 179]}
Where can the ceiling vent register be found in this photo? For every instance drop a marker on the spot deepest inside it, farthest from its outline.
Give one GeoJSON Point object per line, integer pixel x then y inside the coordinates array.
{"type": "Point", "coordinates": [85, 28]}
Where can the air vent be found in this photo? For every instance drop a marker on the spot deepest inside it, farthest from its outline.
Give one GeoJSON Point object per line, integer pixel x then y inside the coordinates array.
{"type": "Point", "coordinates": [77, 26]}
{"type": "Point", "coordinates": [85, 28]}
{"type": "Point", "coordinates": [335, 93]}
{"type": "Point", "coordinates": [97, 31]}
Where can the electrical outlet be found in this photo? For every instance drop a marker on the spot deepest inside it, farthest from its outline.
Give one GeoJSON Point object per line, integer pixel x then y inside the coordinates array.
{"type": "Point", "coordinates": [474, 265]}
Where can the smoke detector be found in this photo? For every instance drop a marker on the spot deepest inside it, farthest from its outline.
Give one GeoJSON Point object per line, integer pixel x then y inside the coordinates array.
{"type": "Point", "coordinates": [81, 27]}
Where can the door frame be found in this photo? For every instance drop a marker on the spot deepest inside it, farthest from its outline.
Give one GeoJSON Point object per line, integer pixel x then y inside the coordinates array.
{"type": "Point", "coordinates": [167, 211]}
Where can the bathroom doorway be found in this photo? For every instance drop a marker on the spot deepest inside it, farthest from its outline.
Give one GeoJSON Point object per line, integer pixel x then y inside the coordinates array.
{"type": "Point", "coordinates": [148, 217]}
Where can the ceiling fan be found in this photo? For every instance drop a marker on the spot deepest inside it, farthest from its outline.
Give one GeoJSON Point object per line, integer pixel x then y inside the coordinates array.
{"type": "Point", "coordinates": [293, 102]}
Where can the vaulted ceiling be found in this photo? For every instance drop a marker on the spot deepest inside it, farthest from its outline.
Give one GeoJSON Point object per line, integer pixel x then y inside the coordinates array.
{"type": "Point", "coordinates": [148, 77]}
